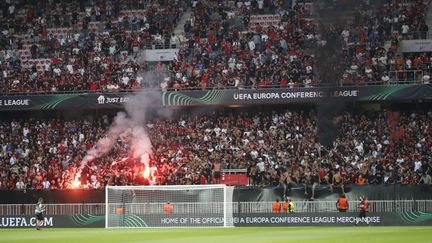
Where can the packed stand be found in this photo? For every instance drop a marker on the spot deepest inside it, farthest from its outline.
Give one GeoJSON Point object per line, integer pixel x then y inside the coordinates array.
{"type": "Point", "coordinates": [367, 56]}
{"type": "Point", "coordinates": [226, 44]}
{"type": "Point", "coordinates": [81, 45]}
{"type": "Point", "coordinates": [278, 148]}
{"type": "Point", "coordinates": [224, 47]}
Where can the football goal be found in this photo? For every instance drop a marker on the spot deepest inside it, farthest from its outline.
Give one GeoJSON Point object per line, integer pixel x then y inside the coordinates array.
{"type": "Point", "coordinates": [168, 206]}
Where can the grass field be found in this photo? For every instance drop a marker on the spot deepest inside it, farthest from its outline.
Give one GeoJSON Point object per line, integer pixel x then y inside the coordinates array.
{"type": "Point", "coordinates": [363, 234]}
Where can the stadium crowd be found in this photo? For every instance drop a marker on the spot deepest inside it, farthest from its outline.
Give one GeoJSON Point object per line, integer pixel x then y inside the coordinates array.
{"type": "Point", "coordinates": [278, 148]}
{"type": "Point", "coordinates": [365, 49]}
{"type": "Point", "coordinates": [224, 49]}
{"type": "Point", "coordinates": [221, 47]}
{"type": "Point", "coordinates": [81, 45]}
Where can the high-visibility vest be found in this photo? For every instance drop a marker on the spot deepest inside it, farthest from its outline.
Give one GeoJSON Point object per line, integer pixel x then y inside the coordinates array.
{"type": "Point", "coordinates": [168, 208]}
{"type": "Point", "coordinates": [285, 207]}
{"type": "Point", "coordinates": [276, 207]}
{"type": "Point", "coordinates": [291, 207]}
{"type": "Point", "coordinates": [343, 203]}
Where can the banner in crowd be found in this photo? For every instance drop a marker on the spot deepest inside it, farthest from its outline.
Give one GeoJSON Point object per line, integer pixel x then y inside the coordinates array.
{"type": "Point", "coordinates": [64, 101]}
{"type": "Point", "coordinates": [217, 97]}
{"type": "Point", "coordinates": [299, 95]}
{"type": "Point", "coordinates": [419, 45]}
{"type": "Point", "coordinates": [160, 55]}
{"type": "Point", "coordinates": [243, 220]}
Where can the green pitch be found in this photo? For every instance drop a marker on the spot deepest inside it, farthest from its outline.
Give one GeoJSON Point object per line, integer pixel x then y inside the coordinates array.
{"type": "Point", "coordinates": [353, 234]}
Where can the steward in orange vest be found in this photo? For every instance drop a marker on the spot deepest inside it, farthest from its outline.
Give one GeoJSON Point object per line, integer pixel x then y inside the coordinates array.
{"type": "Point", "coordinates": [276, 206]}
{"type": "Point", "coordinates": [168, 208]}
{"type": "Point", "coordinates": [285, 206]}
{"type": "Point", "coordinates": [342, 204]}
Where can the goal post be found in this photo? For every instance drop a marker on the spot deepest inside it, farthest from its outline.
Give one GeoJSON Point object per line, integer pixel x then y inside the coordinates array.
{"type": "Point", "coordinates": [168, 206]}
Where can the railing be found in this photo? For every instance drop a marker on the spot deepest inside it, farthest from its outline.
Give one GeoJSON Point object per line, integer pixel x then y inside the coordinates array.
{"type": "Point", "coordinates": [54, 209]}
{"type": "Point", "coordinates": [424, 205]}
{"type": "Point", "coordinates": [405, 76]}
{"type": "Point", "coordinates": [394, 80]}
{"type": "Point", "coordinates": [178, 208]}
{"type": "Point", "coordinates": [160, 45]}
{"type": "Point", "coordinates": [234, 171]}
{"type": "Point", "coordinates": [381, 206]}
{"type": "Point", "coordinates": [416, 35]}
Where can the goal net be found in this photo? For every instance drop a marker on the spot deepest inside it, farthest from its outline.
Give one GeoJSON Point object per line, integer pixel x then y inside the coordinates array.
{"type": "Point", "coordinates": [168, 206]}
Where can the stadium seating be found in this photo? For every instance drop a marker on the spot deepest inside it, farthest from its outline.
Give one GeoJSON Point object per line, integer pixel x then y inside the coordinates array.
{"type": "Point", "coordinates": [79, 42]}
{"type": "Point", "coordinates": [229, 45]}
{"type": "Point", "coordinates": [277, 148]}
{"type": "Point", "coordinates": [73, 47]}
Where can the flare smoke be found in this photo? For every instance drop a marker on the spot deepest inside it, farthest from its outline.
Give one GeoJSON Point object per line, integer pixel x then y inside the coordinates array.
{"type": "Point", "coordinates": [130, 126]}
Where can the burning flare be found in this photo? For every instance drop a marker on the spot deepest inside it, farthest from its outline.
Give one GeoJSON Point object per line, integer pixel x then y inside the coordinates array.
{"type": "Point", "coordinates": [146, 172]}
{"type": "Point", "coordinates": [76, 183]}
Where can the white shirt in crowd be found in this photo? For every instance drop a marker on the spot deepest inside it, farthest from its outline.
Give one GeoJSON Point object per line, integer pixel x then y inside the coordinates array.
{"type": "Point", "coordinates": [368, 71]}
{"type": "Point", "coordinates": [260, 4]}
{"type": "Point", "coordinates": [385, 78]}
{"type": "Point", "coordinates": [251, 45]}
{"type": "Point", "coordinates": [46, 184]}
{"type": "Point", "coordinates": [174, 39]}
{"type": "Point", "coordinates": [383, 60]}
{"type": "Point", "coordinates": [164, 86]}
{"type": "Point", "coordinates": [125, 80]}
{"type": "Point", "coordinates": [11, 9]}
{"type": "Point", "coordinates": [426, 78]}
{"type": "Point", "coordinates": [57, 71]}
{"type": "Point", "coordinates": [405, 29]}
{"type": "Point", "coordinates": [408, 63]}
{"type": "Point", "coordinates": [20, 185]}
{"type": "Point", "coordinates": [417, 165]}
{"type": "Point", "coordinates": [69, 68]}
{"type": "Point", "coordinates": [345, 35]}
{"type": "Point", "coordinates": [12, 160]}
{"type": "Point", "coordinates": [88, 11]}
{"type": "Point", "coordinates": [261, 166]}
{"type": "Point", "coordinates": [25, 131]}
{"type": "Point", "coordinates": [254, 154]}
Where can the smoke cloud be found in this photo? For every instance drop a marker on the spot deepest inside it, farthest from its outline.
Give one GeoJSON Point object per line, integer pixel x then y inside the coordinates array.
{"type": "Point", "coordinates": [129, 126]}
{"type": "Point", "coordinates": [332, 17]}
{"type": "Point", "coordinates": [328, 51]}
{"type": "Point", "coordinates": [328, 122]}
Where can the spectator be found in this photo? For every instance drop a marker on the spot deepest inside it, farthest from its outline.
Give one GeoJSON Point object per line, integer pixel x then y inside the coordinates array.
{"type": "Point", "coordinates": [278, 148]}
